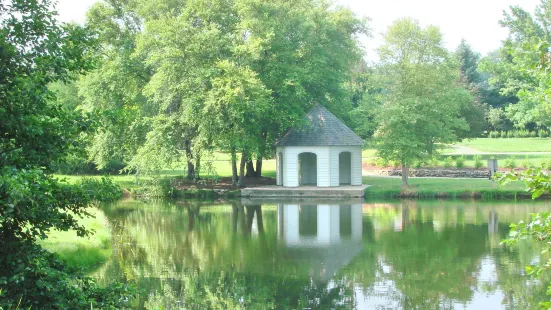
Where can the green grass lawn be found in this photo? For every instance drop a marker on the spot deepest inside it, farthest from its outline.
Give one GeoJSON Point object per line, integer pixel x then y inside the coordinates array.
{"type": "Point", "coordinates": [221, 167]}
{"type": "Point", "coordinates": [391, 186]}
{"type": "Point", "coordinates": [521, 161]}
{"type": "Point", "coordinates": [509, 144]}
{"type": "Point", "coordinates": [84, 252]}
{"type": "Point", "coordinates": [369, 153]}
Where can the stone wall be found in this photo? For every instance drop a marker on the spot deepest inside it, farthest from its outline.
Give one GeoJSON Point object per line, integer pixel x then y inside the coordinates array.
{"type": "Point", "coordinates": [438, 173]}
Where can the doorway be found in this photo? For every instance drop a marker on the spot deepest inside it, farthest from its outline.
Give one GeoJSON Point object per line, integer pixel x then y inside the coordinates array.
{"type": "Point", "coordinates": [308, 169]}
{"type": "Point", "coordinates": [345, 168]}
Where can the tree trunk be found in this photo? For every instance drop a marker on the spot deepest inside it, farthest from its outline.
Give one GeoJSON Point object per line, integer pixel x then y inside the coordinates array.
{"type": "Point", "coordinates": [405, 175]}
{"type": "Point", "coordinates": [259, 167]}
{"type": "Point", "coordinates": [250, 169]}
{"type": "Point", "coordinates": [261, 151]}
{"type": "Point", "coordinates": [190, 170]}
{"type": "Point", "coordinates": [197, 172]}
{"type": "Point", "coordinates": [241, 181]}
{"type": "Point", "coordinates": [190, 166]}
{"type": "Point", "coordinates": [233, 167]}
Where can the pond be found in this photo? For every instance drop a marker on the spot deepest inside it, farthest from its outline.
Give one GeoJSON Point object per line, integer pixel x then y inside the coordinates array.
{"type": "Point", "coordinates": [323, 254]}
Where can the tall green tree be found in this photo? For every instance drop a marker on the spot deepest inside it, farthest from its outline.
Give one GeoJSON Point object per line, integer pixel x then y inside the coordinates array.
{"type": "Point", "coordinates": [475, 111]}
{"type": "Point", "coordinates": [422, 98]}
{"type": "Point", "coordinates": [365, 90]}
{"type": "Point", "coordinates": [297, 53]}
{"type": "Point", "coordinates": [469, 60]}
{"type": "Point", "coordinates": [35, 51]}
{"type": "Point", "coordinates": [113, 91]}
{"type": "Point", "coordinates": [521, 67]}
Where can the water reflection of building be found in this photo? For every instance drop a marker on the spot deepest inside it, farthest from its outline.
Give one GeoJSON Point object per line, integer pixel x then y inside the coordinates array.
{"type": "Point", "coordinates": [328, 236]}
{"type": "Point", "coordinates": [319, 225]}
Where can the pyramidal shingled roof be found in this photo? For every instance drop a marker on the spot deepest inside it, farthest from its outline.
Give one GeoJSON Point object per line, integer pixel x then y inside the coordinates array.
{"type": "Point", "coordinates": [320, 128]}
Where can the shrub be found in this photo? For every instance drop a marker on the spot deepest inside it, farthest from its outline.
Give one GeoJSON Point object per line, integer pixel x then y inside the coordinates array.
{"type": "Point", "coordinates": [543, 133]}
{"type": "Point", "coordinates": [156, 188]}
{"type": "Point", "coordinates": [396, 164]}
{"type": "Point", "coordinates": [526, 163]}
{"type": "Point", "coordinates": [448, 162]}
{"type": "Point", "coordinates": [511, 162]}
{"type": "Point", "coordinates": [478, 161]}
{"type": "Point", "coordinates": [521, 133]}
{"type": "Point", "coordinates": [510, 134]}
{"type": "Point", "coordinates": [381, 162]}
{"type": "Point", "coordinates": [418, 164]}
{"type": "Point", "coordinates": [103, 190]}
{"type": "Point", "coordinates": [75, 164]}
{"type": "Point", "coordinates": [503, 134]}
{"type": "Point", "coordinates": [36, 279]}
{"type": "Point", "coordinates": [460, 162]}
{"type": "Point", "coordinates": [494, 134]}
{"type": "Point", "coordinates": [432, 162]}
{"type": "Point", "coordinates": [546, 165]}
{"type": "Point", "coordinates": [533, 134]}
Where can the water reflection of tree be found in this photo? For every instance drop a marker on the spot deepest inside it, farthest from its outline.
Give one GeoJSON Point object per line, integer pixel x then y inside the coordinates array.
{"type": "Point", "coordinates": [519, 292]}
{"type": "Point", "coordinates": [432, 269]}
{"type": "Point", "coordinates": [208, 257]}
{"type": "Point", "coordinates": [197, 256]}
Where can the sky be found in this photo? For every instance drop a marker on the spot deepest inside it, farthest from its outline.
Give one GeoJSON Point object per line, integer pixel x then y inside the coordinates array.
{"type": "Point", "coordinates": [473, 20]}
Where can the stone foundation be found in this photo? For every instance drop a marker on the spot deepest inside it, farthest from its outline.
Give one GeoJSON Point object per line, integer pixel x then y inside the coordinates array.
{"type": "Point", "coordinates": [438, 173]}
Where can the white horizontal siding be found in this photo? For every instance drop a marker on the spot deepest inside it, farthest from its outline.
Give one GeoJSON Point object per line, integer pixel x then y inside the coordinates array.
{"type": "Point", "coordinates": [290, 161]}
{"type": "Point", "coordinates": [327, 164]}
{"type": "Point", "coordinates": [334, 169]}
{"type": "Point", "coordinates": [356, 162]}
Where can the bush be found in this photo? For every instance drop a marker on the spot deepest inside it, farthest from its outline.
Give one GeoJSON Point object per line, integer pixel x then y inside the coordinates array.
{"type": "Point", "coordinates": [494, 134]}
{"type": "Point", "coordinates": [431, 162]}
{"type": "Point", "coordinates": [448, 162]}
{"type": "Point", "coordinates": [75, 164]}
{"type": "Point", "coordinates": [543, 133]}
{"type": "Point", "coordinates": [503, 134]}
{"type": "Point", "coordinates": [533, 134]}
{"type": "Point", "coordinates": [34, 278]}
{"type": "Point", "coordinates": [114, 167]}
{"type": "Point", "coordinates": [521, 133]}
{"type": "Point", "coordinates": [460, 162]}
{"type": "Point", "coordinates": [478, 161]}
{"type": "Point", "coordinates": [102, 190]}
{"type": "Point", "coordinates": [157, 188]}
{"type": "Point", "coordinates": [381, 162]}
{"type": "Point", "coordinates": [510, 162]}
{"type": "Point", "coordinates": [396, 164]}
{"type": "Point", "coordinates": [526, 163]}
{"type": "Point", "coordinates": [546, 165]}
{"type": "Point", "coordinates": [418, 164]}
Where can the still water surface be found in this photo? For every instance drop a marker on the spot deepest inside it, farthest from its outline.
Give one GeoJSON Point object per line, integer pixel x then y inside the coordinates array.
{"type": "Point", "coordinates": [323, 255]}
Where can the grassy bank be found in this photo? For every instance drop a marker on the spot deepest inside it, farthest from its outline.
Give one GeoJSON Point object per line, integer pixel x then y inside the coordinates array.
{"type": "Point", "coordinates": [87, 252]}
{"type": "Point", "coordinates": [390, 187]}
{"type": "Point", "coordinates": [381, 187]}
{"type": "Point", "coordinates": [498, 145]}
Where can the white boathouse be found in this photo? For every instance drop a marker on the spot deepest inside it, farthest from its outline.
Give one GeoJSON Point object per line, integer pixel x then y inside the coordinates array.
{"type": "Point", "coordinates": [321, 152]}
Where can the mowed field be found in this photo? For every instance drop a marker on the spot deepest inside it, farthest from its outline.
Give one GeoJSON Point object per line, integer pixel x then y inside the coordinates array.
{"type": "Point", "coordinates": [524, 152]}
{"type": "Point", "coordinates": [507, 145]}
